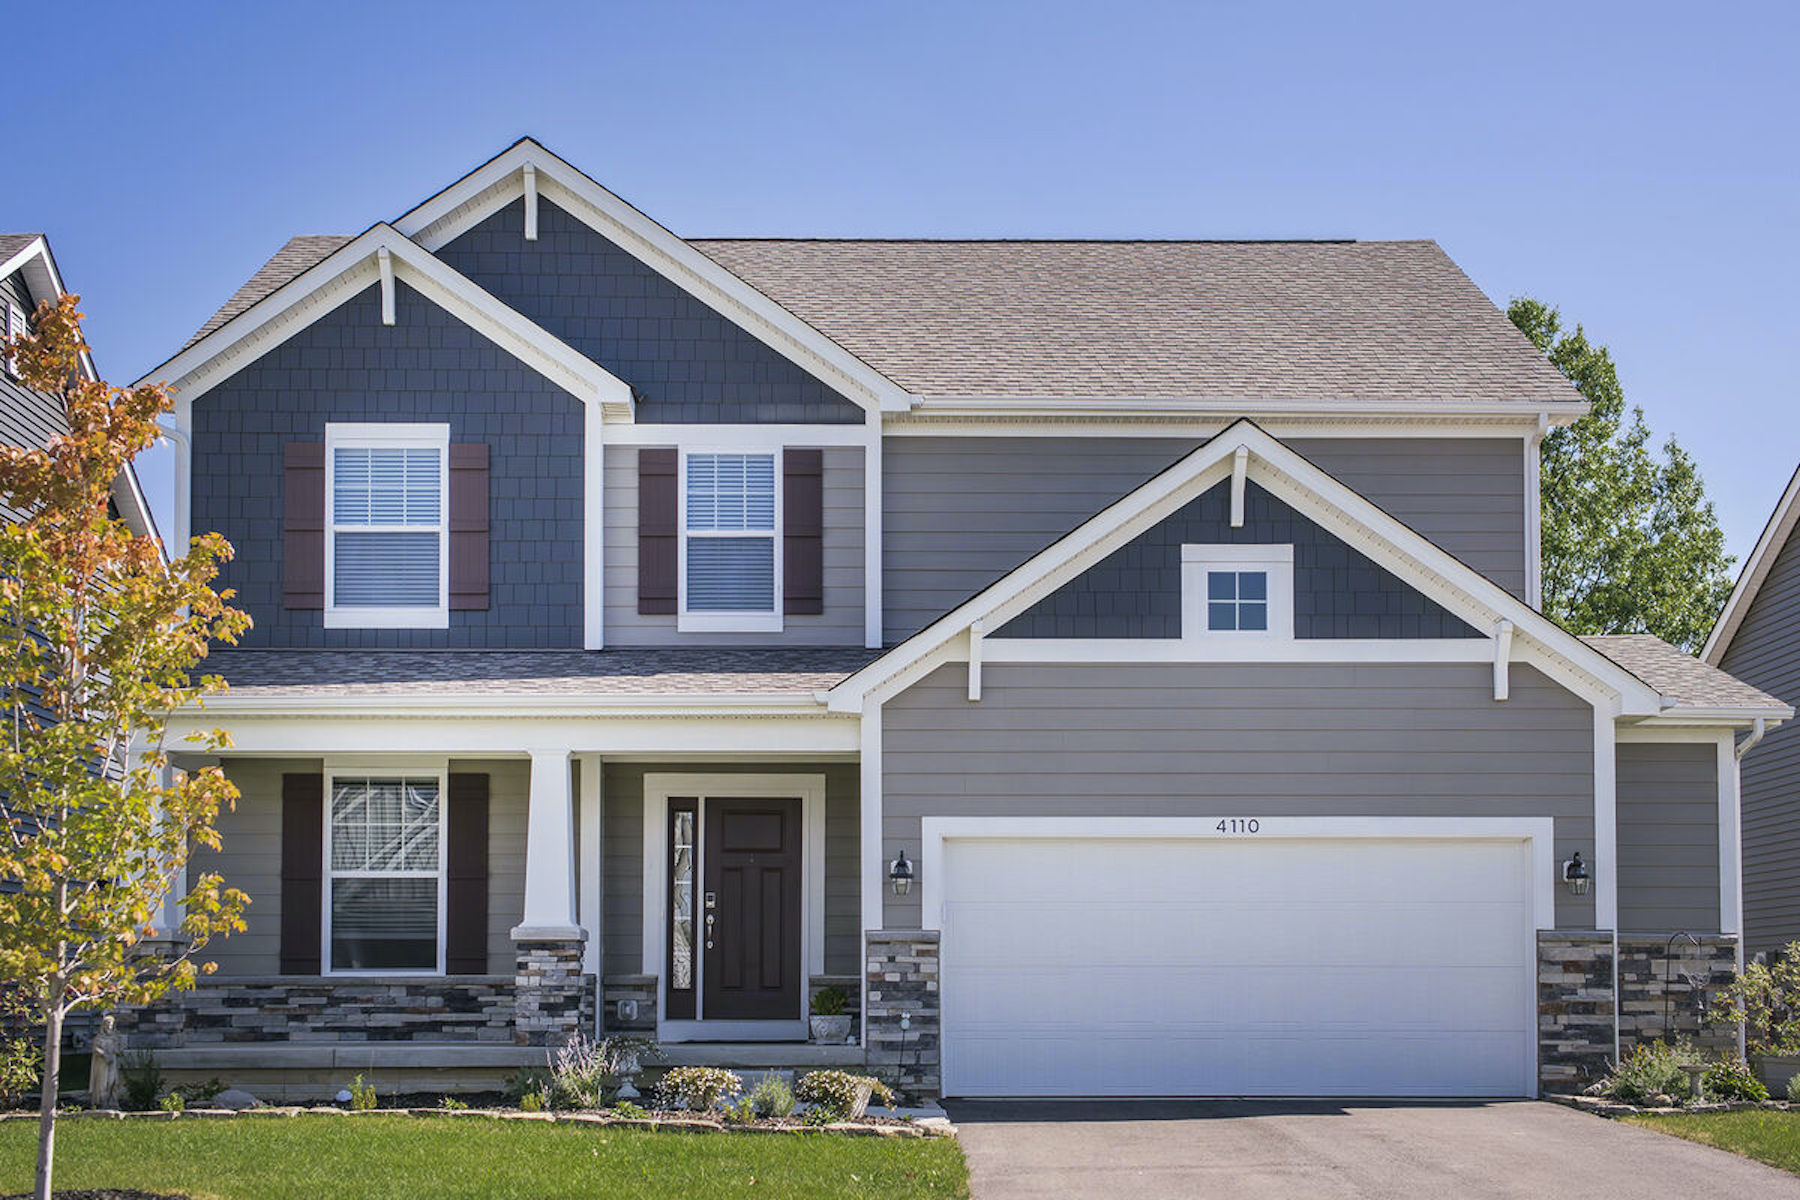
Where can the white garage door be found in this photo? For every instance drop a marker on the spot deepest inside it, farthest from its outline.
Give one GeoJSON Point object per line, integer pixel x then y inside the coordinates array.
{"type": "Point", "coordinates": [1237, 967]}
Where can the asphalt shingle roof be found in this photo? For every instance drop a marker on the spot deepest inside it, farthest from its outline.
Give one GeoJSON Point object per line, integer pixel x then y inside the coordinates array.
{"type": "Point", "coordinates": [12, 243]}
{"type": "Point", "coordinates": [1681, 677]}
{"type": "Point", "coordinates": [1337, 323]}
{"type": "Point", "coordinates": [299, 674]}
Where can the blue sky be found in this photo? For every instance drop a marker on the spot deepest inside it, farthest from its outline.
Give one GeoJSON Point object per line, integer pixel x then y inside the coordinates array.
{"type": "Point", "coordinates": [1634, 163]}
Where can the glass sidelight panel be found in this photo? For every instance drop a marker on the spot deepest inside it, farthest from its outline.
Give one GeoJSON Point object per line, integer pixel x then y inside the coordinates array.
{"type": "Point", "coordinates": [682, 861]}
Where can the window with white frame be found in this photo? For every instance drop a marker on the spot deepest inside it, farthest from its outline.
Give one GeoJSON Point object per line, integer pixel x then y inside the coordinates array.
{"type": "Point", "coordinates": [731, 522]}
{"type": "Point", "coordinates": [1237, 591]}
{"type": "Point", "coordinates": [387, 553]}
{"type": "Point", "coordinates": [384, 839]}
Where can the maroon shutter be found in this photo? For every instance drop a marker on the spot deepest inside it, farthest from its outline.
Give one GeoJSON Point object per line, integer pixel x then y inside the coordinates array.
{"type": "Point", "coordinates": [302, 871]}
{"type": "Point", "coordinates": [469, 525]}
{"type": "Point", "coordinates": [303, 526]}
{"type": "Point", "coordinates": [803, 532]}
{"type": "Point", "coordinates": [466, 885]}
{"type": "Point", "coordinates": [658, 540]}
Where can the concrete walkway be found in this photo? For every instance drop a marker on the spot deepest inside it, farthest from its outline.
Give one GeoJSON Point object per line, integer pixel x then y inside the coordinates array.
{"type": "Point", "coordinates": [1322, 1150]}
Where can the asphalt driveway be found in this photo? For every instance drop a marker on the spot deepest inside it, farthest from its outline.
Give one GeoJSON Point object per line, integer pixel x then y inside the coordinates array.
{"type": "Point", "coordinates": [1324, 1150]}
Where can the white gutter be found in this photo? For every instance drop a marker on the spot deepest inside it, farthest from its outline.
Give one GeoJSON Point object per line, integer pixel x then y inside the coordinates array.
{"type": "Point", "coordinates": [512, 704]}
{"type": "Point", "coordinates": [1759, 731]}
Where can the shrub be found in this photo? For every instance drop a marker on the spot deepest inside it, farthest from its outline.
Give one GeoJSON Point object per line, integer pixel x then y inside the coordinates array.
{"type": "Point", "coordinates": [204, 1092]}
{"type": "Point", "coordinates": [742, 1112]}
{"type": "Point", "coordinates": [173, 1102]}
{"type": "Point", "coordinates": [1732, 1079]}
{"type": "Point", "coordinates": [529, 1082]}
{"type": "Point", "coordinates": [1651, 1070]}
{"type": "Point", "coordinates": [837, 1092]}
{"type": "Point", "coordinates": [531, 1102]}
{"type": "Point", "coordinates": [140, 1081]}
{"type": "Point", "coordinates": [452, 1104]}
{"type": "Point", "coordinates": [582, 1071]}
{"type": "Point", "coordinates": [362, 1095]}
{"type": "Point", "coordinates": [772, 1097]}
{"type": "Point", "coordinates": [20, 1063]}
{"type": "Point", "coordinates": [698, 1089]}
{"type": "Point", "coordinates": [629, 1111]}
{"type": "Point", "coordinates": [829, 1002]}
{"type": "Point", "coordinates": [1793, 1088]}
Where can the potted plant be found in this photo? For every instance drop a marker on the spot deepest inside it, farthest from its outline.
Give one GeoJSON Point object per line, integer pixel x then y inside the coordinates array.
{"type": "Point", "coordinates": [830, 1023]}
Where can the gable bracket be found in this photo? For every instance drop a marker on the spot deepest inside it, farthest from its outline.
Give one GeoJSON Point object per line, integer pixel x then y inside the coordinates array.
{"type": "Point", "coordinates": [1240, 470]}
{"type": "Point", "coordinates": [1503, 635]}
{"type": "Point", "coordinates": [531, 194]}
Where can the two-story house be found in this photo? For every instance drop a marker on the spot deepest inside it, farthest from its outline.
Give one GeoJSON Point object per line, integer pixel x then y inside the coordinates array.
{"type": "Point", "coordinates": [1116, 664]}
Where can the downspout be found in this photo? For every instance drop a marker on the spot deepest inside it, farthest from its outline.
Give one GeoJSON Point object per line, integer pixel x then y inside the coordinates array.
{"type": "Point", "coordinates": [184, 456]}
{"type": "Point", "coordinates": [1757, 732]}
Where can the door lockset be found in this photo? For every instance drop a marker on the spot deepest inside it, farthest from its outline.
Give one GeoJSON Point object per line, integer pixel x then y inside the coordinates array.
{"type": "Point", "coordinates": [709, 924]}
{"type": "Point", "coordinates": [712, 900]}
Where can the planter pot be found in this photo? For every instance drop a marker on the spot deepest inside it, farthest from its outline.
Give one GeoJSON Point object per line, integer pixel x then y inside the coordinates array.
{"type": "Point", "coordinates": [830, 1031]}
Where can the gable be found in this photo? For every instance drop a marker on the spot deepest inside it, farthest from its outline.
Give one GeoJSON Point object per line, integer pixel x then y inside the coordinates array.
{"type": "Point", "coordinates": [1135, 592]}
{"type": "Point", "coordinates": [1764, 649]}
{"type": "Point", "coordinates": [684, 360]}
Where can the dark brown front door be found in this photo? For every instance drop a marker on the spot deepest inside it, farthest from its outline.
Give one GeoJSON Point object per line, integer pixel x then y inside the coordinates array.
{"type": "Point", "coordinates": [750, 910]}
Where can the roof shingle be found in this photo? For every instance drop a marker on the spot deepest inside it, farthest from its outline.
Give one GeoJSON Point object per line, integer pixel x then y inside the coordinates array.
{"type": "Point", "coordinates": [1680, 677]}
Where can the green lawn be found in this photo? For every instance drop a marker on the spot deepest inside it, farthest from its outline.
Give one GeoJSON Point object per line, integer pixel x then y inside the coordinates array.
{"type": "Point", "coordinates": [1763, 1134]}
{"type": "Point", "coordinates": [464, 1158]}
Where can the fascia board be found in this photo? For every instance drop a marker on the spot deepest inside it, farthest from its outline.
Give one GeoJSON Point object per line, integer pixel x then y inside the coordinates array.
{"type": "Point", "coordinates": [1102, 407]}
{"type": "Point", "coordinates": [504, 705]}
{"type": "Point", "coordinates": [1775, 535]}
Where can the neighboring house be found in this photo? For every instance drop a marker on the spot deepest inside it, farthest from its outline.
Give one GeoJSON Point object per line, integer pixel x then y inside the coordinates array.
{"type": "Point", "coordinates": [1758, 640]}
{"type": "Point", "coordinates": [28, 417]}
{"type": "Point", "coordinates": [1114, 663]}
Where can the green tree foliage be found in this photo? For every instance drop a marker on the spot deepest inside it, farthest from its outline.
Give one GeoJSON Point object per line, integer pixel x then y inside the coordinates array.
{"type": "Point", "coordinates": [1630, 541]}
{"type": "Point", "coordinates": [98, 634]}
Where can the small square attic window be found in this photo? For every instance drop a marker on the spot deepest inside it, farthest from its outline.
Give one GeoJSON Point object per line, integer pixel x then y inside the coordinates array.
{"type": "Point", "coordinates": [1237, 592]}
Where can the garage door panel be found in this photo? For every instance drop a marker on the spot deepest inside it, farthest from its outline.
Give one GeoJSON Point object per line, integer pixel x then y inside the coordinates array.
{"type": "Point", "coordinates": [1237, 967]}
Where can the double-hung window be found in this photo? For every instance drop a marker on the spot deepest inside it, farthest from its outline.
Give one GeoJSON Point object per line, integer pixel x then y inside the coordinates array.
{"type": "Point", "coordinates": [730, 528]}
{"type": "Point", "coordinates": [387, 553]}
{"type": "Point", "coordinates": [384, 856]}
{"type": "Point", "coordinates": [1237, 591]}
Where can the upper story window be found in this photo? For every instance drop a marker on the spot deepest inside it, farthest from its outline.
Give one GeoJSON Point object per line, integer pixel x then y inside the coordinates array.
{"type": "Point", "coordinates": [387, 497]}
{"type": "Point", "coordinates": [1237, 591]}
{"type": "Point", "coordinates": [730, 525]}
{"type": "Point", "coordinates": [384, 864]}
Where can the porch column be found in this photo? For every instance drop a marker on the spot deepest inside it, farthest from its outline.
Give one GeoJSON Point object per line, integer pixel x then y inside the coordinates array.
{"type": "Point", "coordinates": [591, 857]}
{"type": "Point", "coordinates": [553, 996]}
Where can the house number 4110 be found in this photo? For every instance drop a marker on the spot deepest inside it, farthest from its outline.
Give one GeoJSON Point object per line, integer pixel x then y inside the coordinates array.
{"type": "Point", "coordinates": [1239, 825]}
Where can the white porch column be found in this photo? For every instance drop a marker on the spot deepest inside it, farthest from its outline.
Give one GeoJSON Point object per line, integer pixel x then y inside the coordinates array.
{"type": "Point", "coordinates": [549, 853]}
{"type": "Point", "coordinates": [593, 854]}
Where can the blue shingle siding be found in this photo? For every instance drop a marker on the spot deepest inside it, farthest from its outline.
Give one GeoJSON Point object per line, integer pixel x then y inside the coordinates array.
{"type": "Point", "coordinates": [1136, 591]}
{"type": "Point", "coordinates": [427, 367]}
{"type": "Point", "coordinates": [685, 361]}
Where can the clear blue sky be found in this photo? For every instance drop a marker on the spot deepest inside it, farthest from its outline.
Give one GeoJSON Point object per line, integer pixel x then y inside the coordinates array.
{"type": "Point", "coordinates": [1635, 164]}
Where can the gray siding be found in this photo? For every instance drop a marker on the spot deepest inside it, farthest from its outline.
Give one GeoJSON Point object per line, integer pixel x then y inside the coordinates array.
{"type": "Point", "coordinates": [841, 624]}
{"type": "Point", "coordinates": [1766, 653]}
{"type": "Point", "coordinates": [1136, 592]}
{"type": "Point", "coordinates": [427, 367]}
{"type": "Point", "coordinates": [1235, 740]}
{"type": "Point", "coordinates": [1668, 814]}
{"type": "Point", "coordinates": [960, 512]}
{"type": "Point", "coordinates": [624, 874]}
{"type": "Point", "coordinates": [250, 859]}
{"type": "Point", "coordinates": [683, 359]}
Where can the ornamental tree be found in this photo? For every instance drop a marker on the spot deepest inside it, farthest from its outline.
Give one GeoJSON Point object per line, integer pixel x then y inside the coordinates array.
{"type": "Point", "coordinates": [1630, 541]}
{"type": "Point", "coordinates": [1765, 999]}
{"type": "Point", "coordinates": [98, 635]}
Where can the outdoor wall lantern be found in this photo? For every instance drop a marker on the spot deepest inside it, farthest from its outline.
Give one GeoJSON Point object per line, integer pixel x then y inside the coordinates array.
{"type": "Point", "coordinates": [900, 874]}
{"type": "Point", "coordinates": [1575, 874]}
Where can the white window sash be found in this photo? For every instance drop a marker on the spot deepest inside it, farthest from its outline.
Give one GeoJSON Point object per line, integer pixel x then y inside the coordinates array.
{"type": "Point", "coordinates": [750, 621]}
{"type": "Point", "coordinates": [378, 436]}
{"type": "Point", "coordinates": [1277, 561]}
{"type": "Point", "coordinates": [442, 875]}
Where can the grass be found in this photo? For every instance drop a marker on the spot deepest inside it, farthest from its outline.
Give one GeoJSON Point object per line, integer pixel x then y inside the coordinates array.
{"type": "Point", "coordinates": [473, 1158]}
{"type": "Point", "coordinates": [1767, 1135]}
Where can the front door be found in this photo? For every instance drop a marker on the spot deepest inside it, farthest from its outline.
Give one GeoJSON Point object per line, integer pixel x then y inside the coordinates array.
{"type": "Point", "coordinates": [750, 910]}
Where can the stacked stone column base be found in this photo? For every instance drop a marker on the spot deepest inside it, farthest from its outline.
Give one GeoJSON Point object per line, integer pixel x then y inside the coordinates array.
{"type": "Point", "coordinates": [901, 977]}
{"type": "Point", "coordinates": [553, 998]}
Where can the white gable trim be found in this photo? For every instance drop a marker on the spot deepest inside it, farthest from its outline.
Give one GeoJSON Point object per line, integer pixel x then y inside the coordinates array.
{"type": "Point", "coordinates": [1438, 575]}
{"type": "Point", "coordinates": [1775, 535]}
{"type": "Point", "coordinates": [347, 272]}
{"type": "Point", "coordinates": [501, 180]}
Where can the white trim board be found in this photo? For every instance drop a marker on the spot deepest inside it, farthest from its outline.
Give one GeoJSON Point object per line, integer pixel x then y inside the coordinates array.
{"type": "Point", "coordinates": [658, 788]}
{"type": "Point", "coordinates": [1775, 535]}
{"type": "Point", "coordinates": [500, 180]}
{"type": "Point", "coordinates": [1457, 587]}
{"type": "Point", "coordinates": [346, 272]}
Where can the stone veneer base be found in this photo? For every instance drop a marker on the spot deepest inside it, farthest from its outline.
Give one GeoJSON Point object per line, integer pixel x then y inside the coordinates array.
{"type": "Point", "coordinates": [901, 977]}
